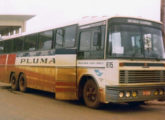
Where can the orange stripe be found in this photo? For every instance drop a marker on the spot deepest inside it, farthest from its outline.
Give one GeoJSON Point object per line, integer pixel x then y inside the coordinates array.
{"type": "Point", "coordinates": [65, 89]}
{"type": "Point", "coordinates": [36, 74]}
{"type": "Point", "coordinates": [65, 84]}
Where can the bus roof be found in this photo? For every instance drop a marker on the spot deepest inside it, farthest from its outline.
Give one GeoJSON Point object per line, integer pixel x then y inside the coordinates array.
{"type": "Point", "coordinates": [80, 22]}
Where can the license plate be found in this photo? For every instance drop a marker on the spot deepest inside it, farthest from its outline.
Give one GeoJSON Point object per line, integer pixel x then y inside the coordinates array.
{"type": "Point", "coordinates": [146, 93]}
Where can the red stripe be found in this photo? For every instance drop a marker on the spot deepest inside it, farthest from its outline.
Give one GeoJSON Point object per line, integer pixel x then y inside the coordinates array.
{"type": "Point", "coordinates": [11, 59]}
{"type": "Point", "coordinates": [3, 59]}
{"type": "Point", "coordinates": [65, 84]}
{"type": "Point", "coordinates": [65, 89]}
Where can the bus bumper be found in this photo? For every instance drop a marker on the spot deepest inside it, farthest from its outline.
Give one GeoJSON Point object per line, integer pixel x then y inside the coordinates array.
{"type": "Point", "coordinates": [120, 94]}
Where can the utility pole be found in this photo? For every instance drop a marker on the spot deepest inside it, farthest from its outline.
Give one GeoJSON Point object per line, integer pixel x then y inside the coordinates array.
{"type": "Point", "coordinates": [162, 14]}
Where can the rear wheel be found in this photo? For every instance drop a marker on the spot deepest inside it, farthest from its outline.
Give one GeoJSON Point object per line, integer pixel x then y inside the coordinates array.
{"type": "Point", "coordinates": [14, 82]}
{"type": "Point", "coordinates": [91, 94]}
{"type": "Point", "coordinates": [22, 83]}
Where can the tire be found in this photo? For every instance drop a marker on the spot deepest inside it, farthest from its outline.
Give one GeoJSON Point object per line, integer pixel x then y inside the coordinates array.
{"type": "Point", "coordinates": [22, 83]}
{"type": "Point", "coordinates": [91, 94]}
{"type": "Point", "coordinates": [14, 82]}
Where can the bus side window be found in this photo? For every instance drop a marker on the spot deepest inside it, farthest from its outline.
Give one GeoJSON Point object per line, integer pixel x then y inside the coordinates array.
{"type": "Point", "coordinates": [59, 38]}
{"type": "Point", "coordinates": [70, 36]}
{"type": "Point", "coordinates": [91, 45]}
{"type": "Point", "coordinates": [66, 37]}
{"type": "Point", "coordinates": [1, 47]}
{"type": "Point", "coordinates": [30, 42]}
{"type": "Point", "coordinates": [45, 40]}
{"type": "Point", "coordinates": [8, 46]}
{"type": "Point", "coordinates": [18, 44]}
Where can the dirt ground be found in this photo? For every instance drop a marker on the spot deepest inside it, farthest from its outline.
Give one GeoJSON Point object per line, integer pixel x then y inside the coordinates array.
{"type": "Point", "coordinates": [39, 105]}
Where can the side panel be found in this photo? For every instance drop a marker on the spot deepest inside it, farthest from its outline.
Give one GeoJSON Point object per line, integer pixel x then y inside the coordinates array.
{"type": "Point", "coordinates": [66, 77]}
{"type": "Point", "coordinates": [50, 73]}
{"type": "Point", "coordinates": [6, 66]}
{"type": "Point", "coordinates": [3, 69]}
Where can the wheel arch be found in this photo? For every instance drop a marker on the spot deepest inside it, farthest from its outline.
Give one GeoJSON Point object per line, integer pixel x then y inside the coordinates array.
{"type": "Point", "coordinates": [82, 82]}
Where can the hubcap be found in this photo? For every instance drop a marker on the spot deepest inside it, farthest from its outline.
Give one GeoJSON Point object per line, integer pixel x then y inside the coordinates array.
{"type": "Point", "coordinates": [91, 93]}
{"type": "Point", "coordinates": [13, 80]}
{"type": "Point", "coordinates": [22, 83]}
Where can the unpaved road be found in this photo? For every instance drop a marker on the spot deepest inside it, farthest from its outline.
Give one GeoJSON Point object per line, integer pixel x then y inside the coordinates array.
{"type": "Point", "coordinates": [38, 105]}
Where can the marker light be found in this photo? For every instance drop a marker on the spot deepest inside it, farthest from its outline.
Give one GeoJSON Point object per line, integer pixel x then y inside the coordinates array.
{"type": "Point", "coordinates": [128, 94]}
{"type": "Point", "coordinates": [161, 92]}
{"type": "Point", "coordinates": [121, 94]}
{"type": "Point", "coordinates": [121, 64]}
{"type": "Point", "coordinates": [156, 92]}
{"type": "Point", "coordinates": [134, 94]}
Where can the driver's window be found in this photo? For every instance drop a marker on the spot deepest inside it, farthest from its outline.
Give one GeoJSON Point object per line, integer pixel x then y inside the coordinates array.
{"type": "Point", "coordinates": [91, 43]}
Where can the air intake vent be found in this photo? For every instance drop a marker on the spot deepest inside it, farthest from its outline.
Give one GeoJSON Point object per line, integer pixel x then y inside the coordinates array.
{"type": "Point", "coordinates": [142, 76]}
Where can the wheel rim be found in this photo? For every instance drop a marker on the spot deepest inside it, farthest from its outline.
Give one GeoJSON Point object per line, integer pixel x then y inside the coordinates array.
{"type": "Point", "coordinates": [13, 80]}
{"type": "Point", "coordinates": [91, 93]}
{"type": "Point", "coordinates": [22, 82]}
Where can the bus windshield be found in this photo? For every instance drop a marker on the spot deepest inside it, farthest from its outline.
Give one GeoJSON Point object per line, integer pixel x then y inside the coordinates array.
{"type": "Point", "coordinates": [135, 41]}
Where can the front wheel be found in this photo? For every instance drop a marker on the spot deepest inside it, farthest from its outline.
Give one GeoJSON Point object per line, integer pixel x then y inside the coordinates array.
{"type": "Point", "coordinates": [91, 94]}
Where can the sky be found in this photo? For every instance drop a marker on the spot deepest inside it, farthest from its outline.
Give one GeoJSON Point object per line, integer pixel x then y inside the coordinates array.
{"type": "Point", "coordinates": [53, 12]}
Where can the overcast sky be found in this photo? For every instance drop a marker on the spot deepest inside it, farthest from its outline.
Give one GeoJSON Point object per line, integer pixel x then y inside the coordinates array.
{"type": "Point", "coordinates": [52, 12]}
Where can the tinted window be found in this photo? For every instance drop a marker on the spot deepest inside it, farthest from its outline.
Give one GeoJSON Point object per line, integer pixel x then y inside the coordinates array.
{"type": "Point", "coordinates": [92, 43]}
{"type": "Point", "coordinates": [30, 42]}
{"type": "Point", "coordinates": [45, 40]}
{"type": "Point", "coordinates": [70, 33]}
{"type": "Point", "coordinates": [18, 44]}
{"type": "Point", "coordinates": [1, 47]}
{"type": "Point", "coordinates": [65, 37]}
{"type": "Point", "coordinates": [85, 38]}
{"type": "Point", "coordinates": [59, 38]}
{"type": "Point", "coordinates": [8, 46]}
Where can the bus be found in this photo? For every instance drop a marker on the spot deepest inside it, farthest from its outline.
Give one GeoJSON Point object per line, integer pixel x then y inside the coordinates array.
{"type": "Point", "coordinates": [106, 60]}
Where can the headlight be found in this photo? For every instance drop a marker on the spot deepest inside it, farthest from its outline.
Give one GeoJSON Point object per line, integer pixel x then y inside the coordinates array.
{"type": "Point", "coordinates": [134, 94]}
{"type": "Point", "coordinates": [156, 92]}
{"type": "Point", "coordinates": [161, 92]}
{"type": "Point", "coordinates": [121, 94]}
{"type": "Point", "coordinates": [128, 94]}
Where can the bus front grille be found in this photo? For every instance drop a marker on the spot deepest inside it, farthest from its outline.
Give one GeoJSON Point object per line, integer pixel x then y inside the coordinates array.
{"type": "Point", "coordinates": [141, 76]}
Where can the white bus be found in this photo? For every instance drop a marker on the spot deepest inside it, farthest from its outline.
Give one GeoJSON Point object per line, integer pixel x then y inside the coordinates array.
{"type": "Point", "coordinates": [117, 59]}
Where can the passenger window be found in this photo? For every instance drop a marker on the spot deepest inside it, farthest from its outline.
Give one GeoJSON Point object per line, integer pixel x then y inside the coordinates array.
{"type": "Point", "coordinates": [1, 47]}
{"type": "Point", "coordinates": [45, 40]}
{"type": "Point", "coordinates": [8, 46]}
{"type": "Point", "coordinates": [59, 38]}
{"type": "Point", "coordinates": [30, 42]}
{"type": "Point", "coordinates": [65, 37]}
{"type": "Point", "coordinates": [70, 35]}
{"type": "Point", "coordinates": [92, 43]}
{"type": "Point", "coordinates": [18, 44]}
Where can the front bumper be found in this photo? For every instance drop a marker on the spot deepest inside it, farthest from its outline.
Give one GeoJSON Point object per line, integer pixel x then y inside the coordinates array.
{"type": "Point", "coordinates": [144, 93]}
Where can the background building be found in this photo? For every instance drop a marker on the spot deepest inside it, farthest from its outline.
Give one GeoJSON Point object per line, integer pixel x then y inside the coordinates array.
{"type": "Point", "coordinates": [13, 24]}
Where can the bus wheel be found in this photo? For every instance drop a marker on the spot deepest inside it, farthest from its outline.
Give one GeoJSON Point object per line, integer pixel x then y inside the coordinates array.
{"type": "Point", "coordinates": [14, 82]}
{"type": "Point", "coordinates": [22, 83]}
{"type": "Point", "coordinates": [91, 94]}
